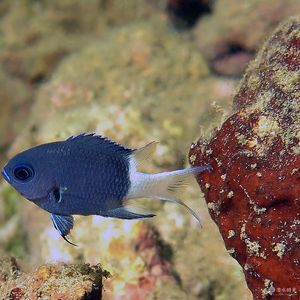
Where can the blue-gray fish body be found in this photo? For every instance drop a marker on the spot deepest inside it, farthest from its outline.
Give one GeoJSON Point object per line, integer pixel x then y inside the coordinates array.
{"type": "Point", "coordinates": [90, 175]}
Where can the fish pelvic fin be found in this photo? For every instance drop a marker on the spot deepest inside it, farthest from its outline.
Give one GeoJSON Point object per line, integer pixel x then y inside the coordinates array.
{"type": "Point", "coordinates": [63, 224]}
{"type": "Point", "coordinates": [166, 186]}
{"type": "Point", "coordinates": [141, 155]}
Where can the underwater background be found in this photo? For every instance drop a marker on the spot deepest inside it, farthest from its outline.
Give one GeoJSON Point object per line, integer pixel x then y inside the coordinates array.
{"type": "Point", "coordinates": [135, 71]}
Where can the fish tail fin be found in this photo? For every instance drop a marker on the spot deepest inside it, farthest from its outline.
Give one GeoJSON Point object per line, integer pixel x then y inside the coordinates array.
{"type": "Point", "coordinates": [170, 185]}
{"type": "Point", "coordinates": [166, 186]}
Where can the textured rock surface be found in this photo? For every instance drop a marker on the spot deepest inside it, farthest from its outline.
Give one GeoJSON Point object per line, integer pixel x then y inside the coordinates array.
{"type": "Point", "coordinates": [253, 192]}
{"type": "Point", "coordinates": [235, 30]}
{"type": "Point", "coordinates": [59, 281]}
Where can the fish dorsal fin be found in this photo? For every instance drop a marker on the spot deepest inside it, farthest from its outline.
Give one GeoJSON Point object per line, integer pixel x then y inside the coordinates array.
{"type": "Point", "coordinates": [63, 224]}
{"type": "Point", "coordinates": [141, 155]}
{"type": "Point", "coordinates": [96, 141]}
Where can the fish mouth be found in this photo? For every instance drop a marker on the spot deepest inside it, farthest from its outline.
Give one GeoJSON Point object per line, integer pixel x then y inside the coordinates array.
{"type": "Point", "coordinates": [5, 175]}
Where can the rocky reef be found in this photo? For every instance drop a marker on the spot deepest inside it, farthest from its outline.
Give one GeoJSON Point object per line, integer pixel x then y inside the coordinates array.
{"type": "Point", "coordinates": [121, 69]}
{"type": "Point", "coordinates": [59, 281]}
{"type": "Point", "coordinates": [253, 192]}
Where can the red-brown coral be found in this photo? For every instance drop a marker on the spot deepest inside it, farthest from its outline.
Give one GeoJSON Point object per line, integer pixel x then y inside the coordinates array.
{"type": "Point", "coordinates": [253, 192]}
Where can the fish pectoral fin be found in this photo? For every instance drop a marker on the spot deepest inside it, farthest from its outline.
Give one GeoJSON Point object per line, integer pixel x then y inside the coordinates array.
{"type": "Point", "coordinates": [55, 195]}
{"type": "Point", "coordinates": [141, 155]}
{"type": "Point", "coordinates": [128, 212]}
{"type": "Point", "coordinates": [63, 224]}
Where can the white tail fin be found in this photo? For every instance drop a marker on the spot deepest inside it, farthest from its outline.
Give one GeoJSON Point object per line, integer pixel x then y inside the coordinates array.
{"type": "Point", "coordinates": [164, 186]}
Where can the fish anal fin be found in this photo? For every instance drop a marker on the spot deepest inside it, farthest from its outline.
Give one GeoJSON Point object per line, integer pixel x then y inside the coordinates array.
{"type": "Point", "coordinates": [128, 212]}
{"type": "Point", "coordinates": [141, 155]}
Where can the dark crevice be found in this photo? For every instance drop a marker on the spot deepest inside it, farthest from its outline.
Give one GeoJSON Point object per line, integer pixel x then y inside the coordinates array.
{"type": "Point", "coordinates": [184, 14]}
{"type": "Point", "coordinates": [95, 294]}
{"type": "Point", "coordinates": [38, 79]}
{"type": "Point", "coordinates": [232, 49]}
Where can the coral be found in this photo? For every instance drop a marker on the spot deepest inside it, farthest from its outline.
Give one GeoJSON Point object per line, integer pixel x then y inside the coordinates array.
{"type": "Point", "coordinates": [231, 35]}
{"type": "Point", "coordinates": [253, 191]}
{"type": "Point", "coordinates": [55, 281]}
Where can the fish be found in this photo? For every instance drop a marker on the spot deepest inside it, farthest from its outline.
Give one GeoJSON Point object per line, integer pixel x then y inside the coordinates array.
{"type": "Point", "coordinates": [89, 174]}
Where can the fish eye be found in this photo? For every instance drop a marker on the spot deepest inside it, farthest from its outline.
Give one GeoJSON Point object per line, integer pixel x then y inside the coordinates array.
{"type": "Point", "coordinates": [23, 172]}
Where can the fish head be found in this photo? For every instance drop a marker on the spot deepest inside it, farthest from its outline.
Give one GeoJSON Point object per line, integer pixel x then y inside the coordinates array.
{"type": "Point", "coordinates": [29, 172]}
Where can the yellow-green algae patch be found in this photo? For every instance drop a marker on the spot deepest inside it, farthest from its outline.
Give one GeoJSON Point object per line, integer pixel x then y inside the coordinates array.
{"type": "Point", "coordinates": [278, 119]}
